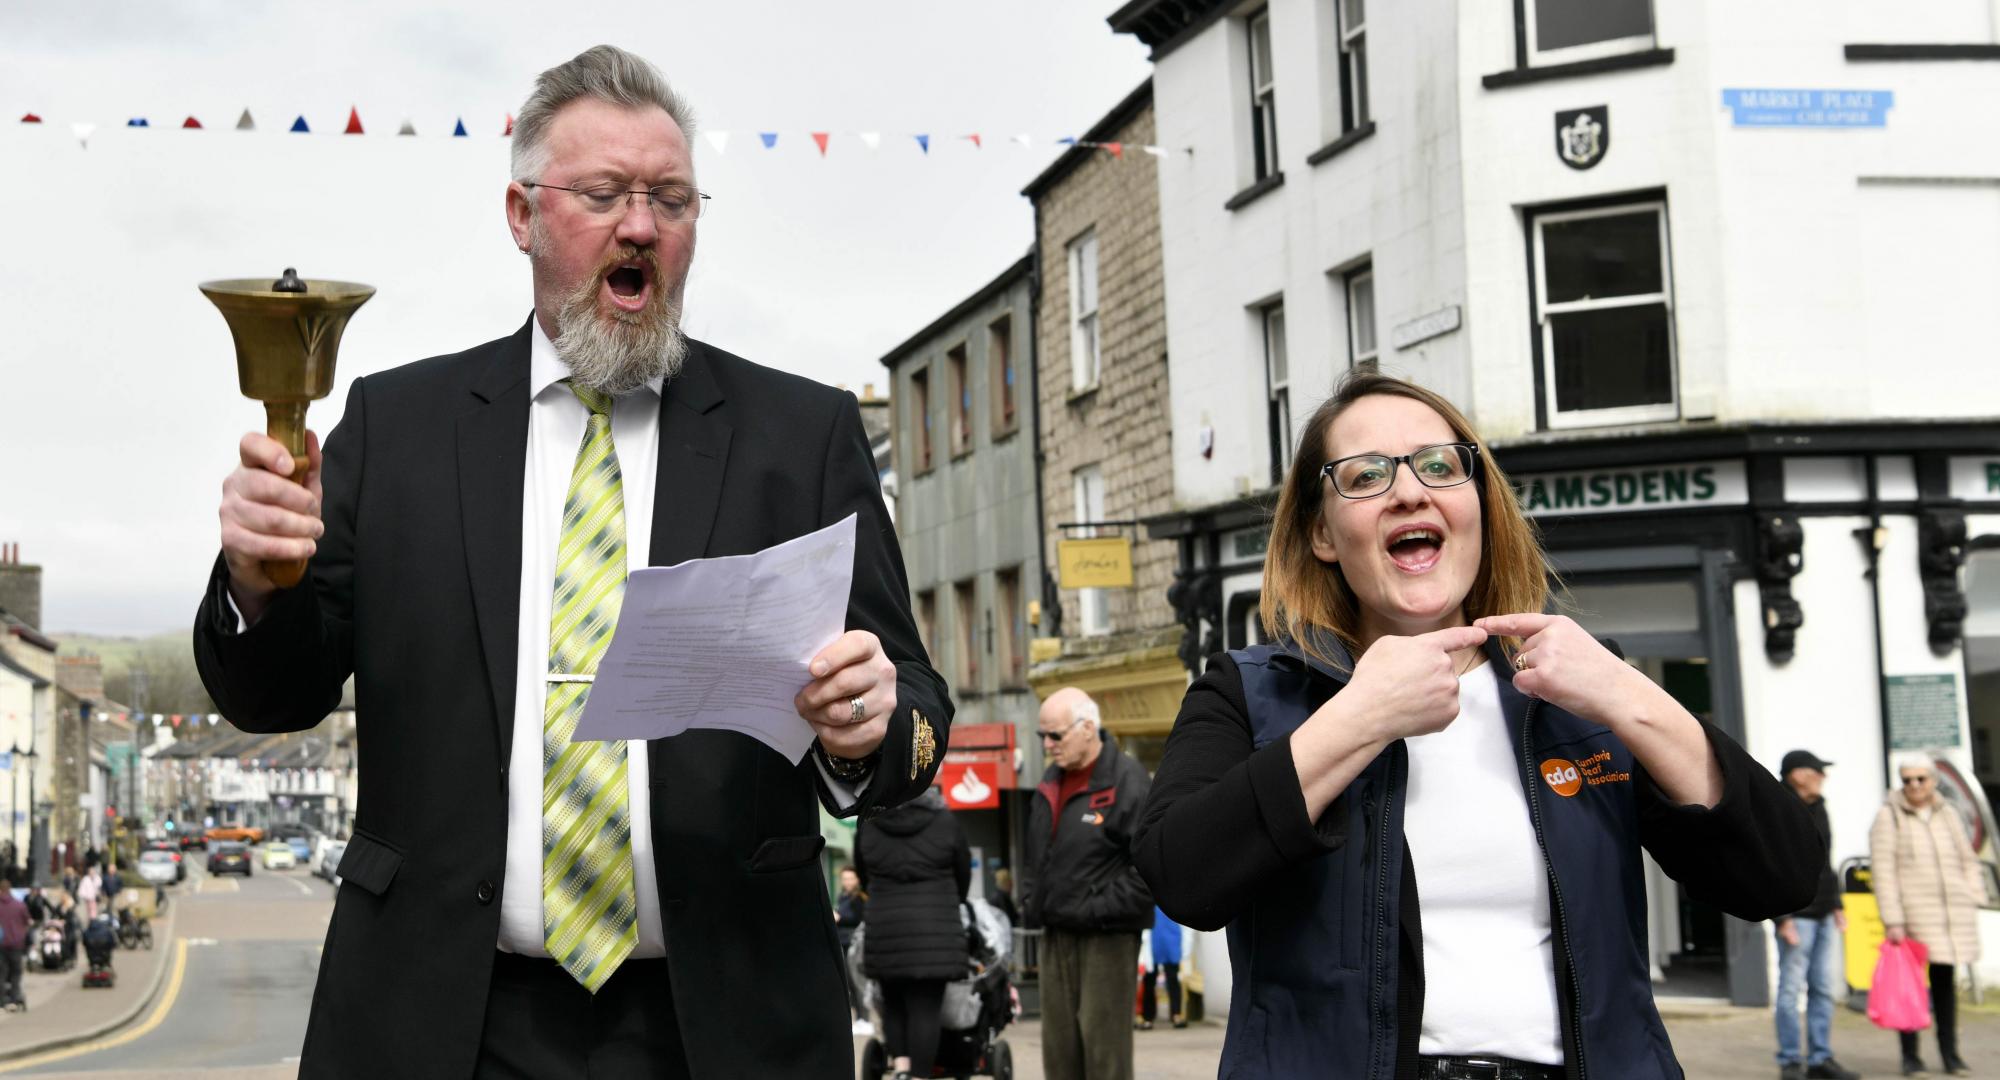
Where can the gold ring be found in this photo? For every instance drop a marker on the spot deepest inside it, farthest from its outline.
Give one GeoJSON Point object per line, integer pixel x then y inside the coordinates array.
{"type": "Point", "coordinates": [860, 709]}
{"type": "Point", "coordinates": [1520, 661]}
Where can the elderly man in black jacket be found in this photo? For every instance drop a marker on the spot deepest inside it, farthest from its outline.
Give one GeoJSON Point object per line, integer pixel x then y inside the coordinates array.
{"type": "Point", "coordinates": [1085, 892]}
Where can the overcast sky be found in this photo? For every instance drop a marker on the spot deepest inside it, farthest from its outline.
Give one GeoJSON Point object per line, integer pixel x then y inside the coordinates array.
{"type": "Point", "coordinates": [119, 409]}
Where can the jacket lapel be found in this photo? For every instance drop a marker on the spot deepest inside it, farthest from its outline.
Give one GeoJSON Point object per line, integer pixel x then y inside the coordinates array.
{"type": "Point", "coordinates": [694, 449]}
{"type": "Point", "coordinates": [492, 459]}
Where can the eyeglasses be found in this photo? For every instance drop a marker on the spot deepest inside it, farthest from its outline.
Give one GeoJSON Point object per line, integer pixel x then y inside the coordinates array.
{"type": "Point", "coordinates": [1057, 736]}
{"type": "Point", "coordinates": [1919, 781]}
{"type": "Point", "coordinates": [670, 202]}
{"type": "Point", "coordinates": [1365, 476]}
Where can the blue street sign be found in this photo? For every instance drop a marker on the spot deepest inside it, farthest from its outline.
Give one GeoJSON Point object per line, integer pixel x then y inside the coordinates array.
{"type": "Point", "coordinates": [1809, 108]}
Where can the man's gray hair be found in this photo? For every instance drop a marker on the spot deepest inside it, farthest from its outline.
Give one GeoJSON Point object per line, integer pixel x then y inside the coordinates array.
{"type": "Point", "coordinates": [1085, 710]}
{"type": "Point", "coordinates": [1915, 761]}
{"type": "Point", "coordinates": [604, 72]}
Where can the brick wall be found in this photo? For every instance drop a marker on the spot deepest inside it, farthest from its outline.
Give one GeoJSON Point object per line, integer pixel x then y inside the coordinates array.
{"type": "Point", "coordinates": [1124, 426]}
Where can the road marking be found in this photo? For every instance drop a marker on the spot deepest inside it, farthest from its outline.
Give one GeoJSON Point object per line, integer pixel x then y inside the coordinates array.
{"type": "Point", "coordinates": [195, 942]}
{"type": "Point", "coordinates": [299, 885]}
{"type": "Point", "coordinates": [159, 1016]}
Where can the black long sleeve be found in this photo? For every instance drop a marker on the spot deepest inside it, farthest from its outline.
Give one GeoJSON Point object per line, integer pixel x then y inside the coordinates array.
{"type": "Point", "coordinates": [1754, 854]}
{"type": "Point", "coordinates": [1223, 815]}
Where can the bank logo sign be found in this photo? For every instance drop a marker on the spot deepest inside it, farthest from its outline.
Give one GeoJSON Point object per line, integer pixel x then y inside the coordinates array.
{"type": "Point", "coordinates": [1809, 108]}
{"type": "Point", "coordinates": [1689, 485]}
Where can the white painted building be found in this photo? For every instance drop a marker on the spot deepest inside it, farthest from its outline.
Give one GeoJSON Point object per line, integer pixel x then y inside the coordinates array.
{"type": "Point", "coordinates": [1717, 281]}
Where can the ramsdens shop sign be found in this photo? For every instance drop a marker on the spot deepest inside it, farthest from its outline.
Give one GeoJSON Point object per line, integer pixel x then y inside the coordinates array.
{"type": "Point", "coordinates": [1684, 486]}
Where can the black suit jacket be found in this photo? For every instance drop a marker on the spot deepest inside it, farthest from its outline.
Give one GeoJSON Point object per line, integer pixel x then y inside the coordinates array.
{"type": "Point", "coordinates": [415, 591]}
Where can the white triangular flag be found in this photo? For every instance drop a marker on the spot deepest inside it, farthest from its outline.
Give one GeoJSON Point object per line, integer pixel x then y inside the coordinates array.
{"type": "Point", "coordinates": [719, 140]}
{"type": "Point", "coordinates": [82, 133]}
{"type": "Point", "coordinates": [873, 139]}
{"type": "Point", "coordinates": [1155, 151]}
{"type": "Point", "coordinates": [1022, 139]}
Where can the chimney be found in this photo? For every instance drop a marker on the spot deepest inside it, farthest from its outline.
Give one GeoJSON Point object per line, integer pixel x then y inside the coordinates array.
{"type": "Point", "coordinates": [868, 391]}
{"type": "Point", "coordinates": [21, 588]}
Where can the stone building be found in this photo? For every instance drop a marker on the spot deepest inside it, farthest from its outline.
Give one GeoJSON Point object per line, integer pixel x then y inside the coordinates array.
{"type": "Point", "coordinates": [1104, 423]}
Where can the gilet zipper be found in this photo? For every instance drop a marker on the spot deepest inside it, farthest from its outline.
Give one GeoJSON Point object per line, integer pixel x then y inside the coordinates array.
{"type": "Point", "coordinates": [1533, 774]}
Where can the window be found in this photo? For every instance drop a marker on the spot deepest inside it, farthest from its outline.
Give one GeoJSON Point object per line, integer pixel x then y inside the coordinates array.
{"type": "Point", "coordinates": [966, 613]}
{"type": "Point", "coordinates": [961, 402]}
{"type": "Point", "coordinates": [1606, 315]}
{"type": "Point", "coordinates": [1094, 607]}
{"type": "Point", "coordinates": [927, 622]}
{"type": "Point", "coordinates": [1263, 99]}
{"type": "Point", "coordinates": [1083, 344]}
{"type": "Point", "coordinates": [1000, 362]}
{"type": "Point", "coordinates": [920, 420]}
{"type": "Point", "coordinates": [1278, 384]}
{"type": "Point", "coordinates": [1361, 317]}
{"type": "Point", "coordinates": [1353, 65]}
{"type": "Point", "coordinates": [1560, 31]}
{"type": "Point", "coordinates": [1011, 622]}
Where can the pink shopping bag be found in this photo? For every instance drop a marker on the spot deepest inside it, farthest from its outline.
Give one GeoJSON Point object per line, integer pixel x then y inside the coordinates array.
{"type": "Point", "coordinates": [1897, 999]}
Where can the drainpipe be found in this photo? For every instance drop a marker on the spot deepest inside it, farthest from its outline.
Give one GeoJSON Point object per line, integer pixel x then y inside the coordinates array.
{"type": "Point", "coordinates": [1873, 536]}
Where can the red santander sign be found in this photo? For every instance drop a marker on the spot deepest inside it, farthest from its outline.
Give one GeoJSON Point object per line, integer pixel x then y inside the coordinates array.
{"type": "Point", "coordinates": [970, 785]}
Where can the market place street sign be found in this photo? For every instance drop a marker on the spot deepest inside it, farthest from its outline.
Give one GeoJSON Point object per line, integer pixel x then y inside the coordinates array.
{"type": "Point", "coordinates": [1809, 108]}
{"type": "Point", "coordinates": [1690, 485]}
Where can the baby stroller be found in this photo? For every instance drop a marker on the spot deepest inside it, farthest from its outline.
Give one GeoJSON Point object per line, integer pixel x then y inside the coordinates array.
{"type": "Point", "coordinates": [99, 939]}
{"type": "Point", "coordinates": [976, 1008]}
{"type": "Point", "coordinates": [52, 946]}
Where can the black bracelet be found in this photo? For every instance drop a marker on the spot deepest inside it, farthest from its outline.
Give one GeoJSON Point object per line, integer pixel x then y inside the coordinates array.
{"type": "Point", "coordinates": [847, 769]}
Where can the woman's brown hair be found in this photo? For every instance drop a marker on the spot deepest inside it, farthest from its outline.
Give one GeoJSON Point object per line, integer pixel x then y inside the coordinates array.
{"type": "Point", "coordinates": [1301, 592]}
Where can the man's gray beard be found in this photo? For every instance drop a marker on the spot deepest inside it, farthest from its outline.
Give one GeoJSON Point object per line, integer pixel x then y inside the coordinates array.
{"type": "Point", "coordinates": [619, 352]}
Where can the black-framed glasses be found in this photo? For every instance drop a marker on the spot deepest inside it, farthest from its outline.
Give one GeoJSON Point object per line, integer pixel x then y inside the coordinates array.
{"type": "Point", "coordinates": [1915, 780]}
{"type": "Point", "coordinates": [1365, 476]}
{"type": "Point", "coordinates": [1058, 736]}
{"type": "Point", "coordinates": [670, 202]}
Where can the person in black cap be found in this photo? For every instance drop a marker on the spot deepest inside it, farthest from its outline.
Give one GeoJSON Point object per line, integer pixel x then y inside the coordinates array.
{"type": "Point", "coordinates": [1809, 944]}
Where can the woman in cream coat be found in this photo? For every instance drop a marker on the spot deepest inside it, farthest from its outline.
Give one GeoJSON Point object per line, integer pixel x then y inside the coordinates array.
{"type": "Point", "coordinates": [1927, 883]}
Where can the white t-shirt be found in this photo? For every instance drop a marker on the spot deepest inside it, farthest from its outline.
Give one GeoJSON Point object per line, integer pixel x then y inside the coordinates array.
{"type": "Point", "coordinates": [1489, 966]}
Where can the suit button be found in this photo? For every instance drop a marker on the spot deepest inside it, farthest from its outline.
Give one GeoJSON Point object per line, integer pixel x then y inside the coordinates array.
{"type": "Point", "coordinates": [484, 893]}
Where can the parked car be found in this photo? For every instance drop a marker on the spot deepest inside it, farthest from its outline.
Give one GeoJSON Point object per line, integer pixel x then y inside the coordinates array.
{"type": "Point", "coordinates": [328, 865]}
{"type": "Point", "coordinates": [229, 857]}
{"type": "Point", "coordinates": [160, 867]}
{"type": "Point", "coordinates": [166, 847]}
{"type": "Point", "coordinates": [278, 856]}
{"type": "Point", "coordinates": [238, 833]}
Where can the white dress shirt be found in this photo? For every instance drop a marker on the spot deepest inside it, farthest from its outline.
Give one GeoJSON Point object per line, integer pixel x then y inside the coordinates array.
{"type": "Point", "coordinates": [556, 420]}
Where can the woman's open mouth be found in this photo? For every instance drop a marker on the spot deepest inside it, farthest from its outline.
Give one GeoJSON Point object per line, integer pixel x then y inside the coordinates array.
{"type": "Point", "coordinates": [1415, 549]}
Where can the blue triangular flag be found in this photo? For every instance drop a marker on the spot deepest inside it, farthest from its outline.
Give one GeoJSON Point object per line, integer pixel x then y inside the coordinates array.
{"type": "Point", "coordinates": [770, 138]}
{"type": "Point", "coordinates": [924, 142]}
{"type": "Point", "coordinates": [300, 125]}
{"type": "Point", "coordinates": [137, 121]}
{"type": "Point", "coordinates": [1067, 140]}
{"type": "Point", "coordinates": [459, 131]}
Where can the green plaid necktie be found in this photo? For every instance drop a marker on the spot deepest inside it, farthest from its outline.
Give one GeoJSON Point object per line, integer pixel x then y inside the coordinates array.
{"type": "Point", "coordinates": [589, 909]}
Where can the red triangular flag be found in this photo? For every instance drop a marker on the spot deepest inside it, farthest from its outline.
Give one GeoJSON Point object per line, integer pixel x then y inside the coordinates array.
{"type": "Point", "coordinates": [31, 118]}
{"type": "Point", "coordinates": [820, 138]}
{"type": "Point", "coordinates": [1117, 150]}
{"type": "Point", "coordinates": [191, 122]}
{"type": "Point", "coordinates": [976, 144]}
{"type": "Point", "coordinates": [510, 125]}
{"type": "Point", "coordinates": [353, 121]}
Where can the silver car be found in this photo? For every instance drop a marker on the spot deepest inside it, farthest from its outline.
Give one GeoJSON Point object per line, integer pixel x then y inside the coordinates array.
{"type": "Point", "coordinates": [159, 867]}
{"type": "Point", "coordinates": [329, 862]}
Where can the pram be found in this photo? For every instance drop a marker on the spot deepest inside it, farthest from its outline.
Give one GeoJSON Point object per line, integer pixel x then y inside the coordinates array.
{"type": "Point", "coordinates": [51, 946]}
{"type": "Point", "coordinates": [976, 1008]}
{"type": "Point", "coordinates": [99, 939]}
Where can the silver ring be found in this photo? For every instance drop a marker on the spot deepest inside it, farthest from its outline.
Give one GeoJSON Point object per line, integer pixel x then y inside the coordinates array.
{"type": "Point", "coordinates": [860, 709]}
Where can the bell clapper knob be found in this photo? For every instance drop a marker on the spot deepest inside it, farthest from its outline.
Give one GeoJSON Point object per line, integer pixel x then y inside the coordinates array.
{"type": "Point", "coordinates": [291, 282]}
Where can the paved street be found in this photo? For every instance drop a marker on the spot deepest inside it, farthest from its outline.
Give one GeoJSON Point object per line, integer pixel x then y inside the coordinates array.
{"type": "Point", "coordinates": [240, 970]}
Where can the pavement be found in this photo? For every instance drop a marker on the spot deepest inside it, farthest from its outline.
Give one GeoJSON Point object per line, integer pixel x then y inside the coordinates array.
{"type": "Point", "coordinates": [61, 1013]}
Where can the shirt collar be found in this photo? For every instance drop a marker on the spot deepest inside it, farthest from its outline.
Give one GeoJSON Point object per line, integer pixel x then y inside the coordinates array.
{"type": "Point", "coordinates": [546, 369]}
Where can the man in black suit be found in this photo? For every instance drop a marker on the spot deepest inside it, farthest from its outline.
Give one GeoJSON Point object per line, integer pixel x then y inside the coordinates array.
{"type": "Point", "coordinates": [514, 904]}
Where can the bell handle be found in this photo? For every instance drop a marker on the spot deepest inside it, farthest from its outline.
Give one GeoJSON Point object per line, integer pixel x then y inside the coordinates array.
{"type": "Point", "coordinates": [285, 421]}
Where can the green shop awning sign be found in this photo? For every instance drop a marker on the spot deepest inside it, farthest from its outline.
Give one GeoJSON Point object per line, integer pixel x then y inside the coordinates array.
{"type": "Point", "coordinates": [1691, 485]}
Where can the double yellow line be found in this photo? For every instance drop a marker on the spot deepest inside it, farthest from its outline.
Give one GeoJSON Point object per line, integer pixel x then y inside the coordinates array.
{"type": "Point", "coordinates": [158, 1017]}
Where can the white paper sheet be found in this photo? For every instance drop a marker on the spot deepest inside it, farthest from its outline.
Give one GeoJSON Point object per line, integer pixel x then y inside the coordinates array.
{"type": "Point", "coordinates": [724, 643]}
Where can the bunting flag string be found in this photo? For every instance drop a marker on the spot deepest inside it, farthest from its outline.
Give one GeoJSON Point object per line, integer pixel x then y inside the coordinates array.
{"type": "Point", "coordinates": [718, 140]}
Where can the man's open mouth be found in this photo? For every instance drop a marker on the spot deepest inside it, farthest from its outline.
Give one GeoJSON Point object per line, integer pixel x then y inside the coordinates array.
{"type": "Point", "coordinates": [628, 283]}
{"type": "Point", "coordinates": [1415, 548]}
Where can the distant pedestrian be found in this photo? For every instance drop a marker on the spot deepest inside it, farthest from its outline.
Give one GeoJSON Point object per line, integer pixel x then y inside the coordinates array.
{"type": "Point", "coordinates": [1809, 943]}
{"type": "Point", "coordinates": [1084, 891]}
{"type": "Point", "coordinates": [89, 892]}
{"type": "Point", "coordinates": [1166, 965]}
{"type": "Point", "coordinates": [114, 884]}
{"type": "Point", "coordinates": [1927, 884]}
{"type": "Point", "coordinates": [916, 865]}
{"type": "Point", "coordinates": [1003, 895]}
{"type": "Point", "coordinates": [850, 910]}
{"type": "Point", "coordinates": [14, 925]}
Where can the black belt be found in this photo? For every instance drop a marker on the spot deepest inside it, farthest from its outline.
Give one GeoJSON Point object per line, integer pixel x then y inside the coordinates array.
{"type": "Point", "coordinates": [1483, 1067]}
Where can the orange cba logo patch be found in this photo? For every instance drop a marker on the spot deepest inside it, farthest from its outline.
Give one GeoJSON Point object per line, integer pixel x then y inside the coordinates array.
{"type": "Point", "coordinates": [1562, 776]}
